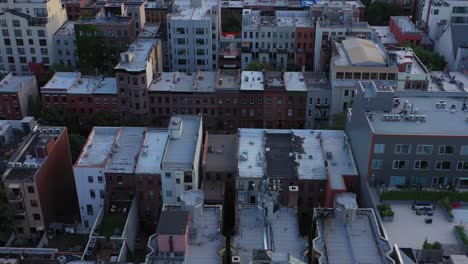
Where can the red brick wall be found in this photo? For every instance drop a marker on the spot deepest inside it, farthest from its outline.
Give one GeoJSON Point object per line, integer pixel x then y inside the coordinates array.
{"type": "Point", "coordinates": [10, 101]}
{"type": "Point", "coordinates": [401, 37]}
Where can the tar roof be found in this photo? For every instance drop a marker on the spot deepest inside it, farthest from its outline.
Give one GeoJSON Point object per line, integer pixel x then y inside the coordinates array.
{"type": "Point", "coordinates": [180, 152]}
{"type": "Point", "coordinates": [363, 52]}
{"type": "Point", "coordinates": [428, 117]}
{"type": "Point", "coordinates": [184, 82]}
{"type": "Point", "coordinates": [172, 223]}
{"type": "Point", "coordinates": [126, 149]}
{"type": "Point", "coordinates": [221, 153]}
{"type": "Point", "coordinates": [139, 54]}
{"type": "Point", "coordinates": [252, 81]}
{"type": "Point", "coordinates": [13, 84]}
{"type": "Point", "coordinates": [152, 152]}
{"type": "Point", "coordinates": [98, 146]}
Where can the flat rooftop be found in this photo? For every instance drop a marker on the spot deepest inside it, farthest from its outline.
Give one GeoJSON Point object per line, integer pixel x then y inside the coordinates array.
{"type": "Point", "coordinates": [251, 233]}
{"type": "Point", "coordinates": [173, 222]}
{"type": "Point", "coordinates": [436, 121]}
{"type": "Point", "coordinates": [295, 154]}
{"type": "Point", "coordinates": [181, 151]}
{"type": "Point", "coordinates": [448, 82]}
{"type": "Point", "coordinates": [408, 230]}
{"type": "Point", "coordinates": [13, 84]}
{"type": "Point", "coordinates": [75, 83]}
{"type": "Point", "coordinates": [252, 81]}
{"type": "Point", "coordinates": [186, 12]}
{"type": "Point", "coordinates": [229, 80]}
{"type": "Point", "coordinates": [294, 81]}
{"type": "Point", "coordinates": [408, 56]}
{"type": "Point", "coordinates": [125, 150]}
{"type": "Point", "coordinates": [405, 24]}
{"type": "Point", "coordinates": [385, 35]}
{"type": "Point", "coordinates": [279, 19]}
{"type": "Point", "coordinates": [152, 152]}
{"type": "Point", "coordinates": [102, 19]}
{"type": "Point", "coordinates": [359, 52]}
{"type": "Point", "coordinates": [67, 29]}
{"type": "Point", "coordinates": [221, 153]}
{"type": "Point", "coordinates": [98, 147]}
{"type": "Point", "coordinates": [138, 54]}
{"type": "Point", "coordinates": [200, 81]}
{"type": "Point", "coordinates": [359, 241]}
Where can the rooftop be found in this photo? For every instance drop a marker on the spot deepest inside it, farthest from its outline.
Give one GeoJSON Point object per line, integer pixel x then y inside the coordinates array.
{"type": "Point", "coordinates": [299, 154]}
{"type": "Point", "coordinates": [181, 149]}
{"type": "Point", "coordinates": [405, 24]}
{"type": "Point", "coordinates": [137, 57]}
{"type": "Point", "coordinates": [75, 83]}
{"type": "Point", "coordinates": [14, 84]}
{"type": "Point", "coordinates": [279, 19]}
{"type": "Point", "coordinates": [200, 81]}
{"type": "Point", "coordinates": [294, 81]}
{"type": "Point", "coordinates": [253, 236]}
{"type": "Point", "coordinates": [67, 29]}
{"type": "Point", "coordinates": [448, 82]}
{"type": "Point", "coordinates": [361, 52]}
{"type": "Point", "coordinates": [98, 147]}
{"type": "Point", "coordinates": [252, 81]}
{"type": "Point", "coordinates": [408, 229]}
{"type": "Point", "coordinates": [221, 153]}
{"type": "Point", "coordinates": [125, 150]}
{"type": "Point", "coordinates": [102, 19]}
{"type": "Point", "coordinates": [173, 222]}
{"type": "Point", "coordinates": [385, 35]}
{"type": "Point", "coordinates": [151, 30]}
{"type": "Point", "coordinates": [228, 80]}
{"type": "Point", "coordinates": [408, 56]}
{"type": "Point", "coordinates": [152, 152]}
{"type": "Point", "coordinates": [425, 116]}
{"type": "Point", "coordinates": [186, 12]}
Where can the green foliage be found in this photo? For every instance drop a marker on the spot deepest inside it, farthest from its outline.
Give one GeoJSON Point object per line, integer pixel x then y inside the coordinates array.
{"type": "Point", "coordinates": [7, 214]}
{"type": "Point", "coordinates": [59, 67]}
{"type": "Point", "coordinates": [232, 22]}
{"type": "Point", "coordinates": [257, 66]}
{"type": "Point", "coordinates": [76, 144]}
{"type": "Point", "coordinates": [385, 210]}
{"type": "Point", "coordinates": [379, 13]}
{"type": "Point", "coordinates": [462, 233]}
{"type": "Point", "coordinates": [435, 245]}
{"type": "Point", "coordinates": [59, 116]}
{"type": "Point", "coordinates": [432, 60]}
{"type": "Point", "coordinates": [445, 203]}
{"type": "Point", "coordinates": [102, 118]}
{"type": "Point", "coordinates": [338, 121]}
{"type": "Point", "coordinates": [422, 195]}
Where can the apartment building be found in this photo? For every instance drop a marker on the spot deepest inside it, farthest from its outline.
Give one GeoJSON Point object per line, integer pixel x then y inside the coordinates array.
{"type": "Point", "coordinates": [357, 59]}
{"type": "Point", "coordinates": [315, 163]}
{"type": "Point", "coordinates": [18, 96]}
{"type": "Point", "coordinates": [193, 33]}
{"type": "Point", "coordinates": [27, 30]}
{"type": "Point", "coordinates": [134, 73]}
{"type": "Point", "coordinates": [412, 73]}
{"type": "Point", "coordinates": [73, 8]}
{"type": "Point", "coordinates": [408, 141]}
{"type": "Point", "coordinates": [65, 41]}
{"type": "Point", "coordinates": [437, 16]}
{"type": "Point", "coordinates": [405, 31]}
{"type": "Point", "coordinates": [156, 13]}
{"type": "Point", "coordinates": [82, 95]}
{"type": "Point", "coordinates": [39, 182]}
{"type": "Point", "coordinates": [452, 45]}
{"type": "Point", "coordinates": [110, 32]}
{"type": "Point", "coordinates": [283, 39]}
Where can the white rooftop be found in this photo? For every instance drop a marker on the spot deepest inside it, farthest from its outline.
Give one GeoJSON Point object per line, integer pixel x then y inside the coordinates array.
{"type": "Point", "coordinates": [252, 81]}
{"type": "Point", "coordinates": [294, 81]}
{"type": "Point", "coordinates": [186, 12]}
{"type": "Point", "coordinates": [74, 83]}
{"type": "Point", "coordinates": [61, 81]}
{"type": "Point", "coordinates": [408, 56]}
{"type": "Point", "coordinates": [13, 84]}
{"type": "Point", "coordinates": [67, 29]}
{"type": "Point", "coordinates": [152, 151]}
{"type": "Point", "coordinates": [184, 82]}
{"type": "Point", "coordinates": [125, 150]}
{"type": "Point", "coordinates": [451, 82]}
{"type": "Point", "coordinates": [139, 52]}
{"type": "Point", "coordinates": [385, 35]}
{"type": "Point", "coordinates": [98, 146]}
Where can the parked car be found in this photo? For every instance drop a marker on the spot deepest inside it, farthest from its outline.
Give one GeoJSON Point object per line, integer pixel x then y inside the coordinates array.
{"type": "Point", "coordinates": [422, 206]}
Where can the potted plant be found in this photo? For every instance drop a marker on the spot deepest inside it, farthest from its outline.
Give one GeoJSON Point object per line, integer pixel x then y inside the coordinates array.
{"type": "Point", "coordinates": [385, 212]}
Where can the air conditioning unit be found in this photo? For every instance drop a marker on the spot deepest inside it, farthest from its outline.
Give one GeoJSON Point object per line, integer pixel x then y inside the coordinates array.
{"type": "Point", "coordinates": [235, 259]}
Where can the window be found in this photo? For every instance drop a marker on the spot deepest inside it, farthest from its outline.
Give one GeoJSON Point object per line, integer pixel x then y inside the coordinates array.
{"type": "Point", "coordinates": [101, 193]}
{"type": "Point", "coordinates": [16, 23]}
{"type": "Point", "coordinates": [169, 193]}
{"type": "Point", "coordinates": [168, 175]}
{"type": "Point", "coordinates": [446, 149]}
{"type": "Point", "coordinates": [37, 217]}
{"type": "Point", "coordinates": [424, 149]}
{"type": "Point", "coordinates": [199, 31]}
{"type": "Point", "coordinates": [41, 33]}
{"type": "Point", "coordinates": [377, 164]}
{"type": "Point", "coordinates": [100, 179]}
{"type": "Point", "coordinates": [31, 189]}
{"type": "Point", "coordinates": [435, 11]}
{"type": "Point", "coordinates": [462, 165]}
{"type": "Point", "coordinates": [379, 148]}
{"type": "Point", "coordinates": [421, 164]}
{"type": "Point", "coordinates": [464, 150]}
{"type": "Point", "coordinates": [92, 193]}
{"type": "Point", "coordinates": [181, 41]}
{"type": "Point", "coordinates": [90, 179]}
{"type": "Point", "coordinates": [177, 181]}
{"type": "Point", "coordinates": [180, 30]}
{"type": "Point", "coordinates": [443, 165]}
{"type": "Point", "coordinates": [400, 164]}
{"type": "Point", "coordinates": [89, 209]}
{"type": "Point", "coordinates": [33, 203]}
{"type": "Point", "coordinates": [402, 149]}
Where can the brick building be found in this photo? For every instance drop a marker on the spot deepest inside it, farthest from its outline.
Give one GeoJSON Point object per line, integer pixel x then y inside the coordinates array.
{"type": "Point", "coordinates": [18, 95]}
{"type": "Point", "coordinates": [39, 182]}
{"type": "Point", "coordinates": [405, 31]}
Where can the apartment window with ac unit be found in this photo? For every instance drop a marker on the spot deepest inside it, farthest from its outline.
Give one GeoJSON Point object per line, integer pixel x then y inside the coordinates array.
{"type": "Point", "coordinates": [402, 149]}
{"type": "Point", "coordinates": [400, 164]}
{"type": "Point", "coordinates": [424, 149]}
{"type": "Point", "coordinates": [446, 149]}
{"type": "Point", "coordinates": [421, 164]}
{"type": "Point", "coordinates": [462, 165]}
{"type": "Point", "coordinates": [443, 165]}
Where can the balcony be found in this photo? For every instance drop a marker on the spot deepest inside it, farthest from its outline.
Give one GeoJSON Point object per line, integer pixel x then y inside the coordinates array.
{"type": "Point", "coordinates": [37, 21]}
{"type": "Point", "coordinates": [15, 197]}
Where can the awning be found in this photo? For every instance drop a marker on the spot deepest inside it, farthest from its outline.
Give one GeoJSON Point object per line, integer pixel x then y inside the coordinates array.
{"type": "Point", "coordinates": [13, 186]}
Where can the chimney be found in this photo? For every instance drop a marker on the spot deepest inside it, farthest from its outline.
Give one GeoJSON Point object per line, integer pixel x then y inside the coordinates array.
{"type": "Point", "coordinates": [175, 127]}
{"type": "Point", "coordinates": [293, 195]}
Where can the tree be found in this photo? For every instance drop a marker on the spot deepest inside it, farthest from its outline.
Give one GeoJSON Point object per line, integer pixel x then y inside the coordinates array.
{"type": "Point", "coordinates": [7, 214]}
{"type": "Point", "coordinates": [76, 144]}
{"type": "Point", "coordinates": [60, 67]}
{"type": "Point", "coordinates": [379, 13]}
{"type": "Point", "coordinates": [257, 66]}
{"type": "Point", "coordinates": [232, 22]}
{"type": "Point", "coordinates": [338, 121]}
{"type": "Point", "coordinates": [432, 60]}
{"type": "Point", "coordinates": [59, 116]}
{"type": "Point", "coordinates": [102, 118]}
